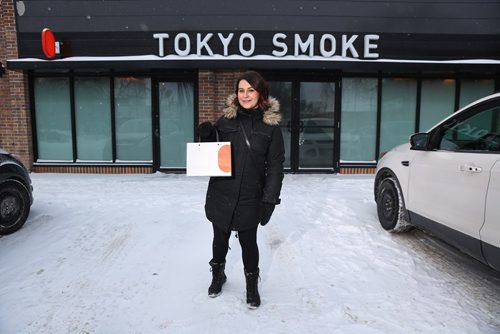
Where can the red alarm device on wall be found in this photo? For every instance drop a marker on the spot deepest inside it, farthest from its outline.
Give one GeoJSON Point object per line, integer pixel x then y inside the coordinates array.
{"type": "Point", "coordinates": [49, 45]}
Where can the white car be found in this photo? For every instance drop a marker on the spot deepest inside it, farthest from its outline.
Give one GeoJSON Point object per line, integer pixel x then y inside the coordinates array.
{"type": "Point", "coordinates": [447, 181]}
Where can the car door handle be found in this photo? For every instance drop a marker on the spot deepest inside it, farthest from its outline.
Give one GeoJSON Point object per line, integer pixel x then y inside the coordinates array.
{"type": "Point", "coordinates": [470, 169]}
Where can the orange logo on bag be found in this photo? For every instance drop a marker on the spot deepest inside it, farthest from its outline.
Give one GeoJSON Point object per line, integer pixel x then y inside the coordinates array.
{"type": "Point", "coordinates": [224, 158]}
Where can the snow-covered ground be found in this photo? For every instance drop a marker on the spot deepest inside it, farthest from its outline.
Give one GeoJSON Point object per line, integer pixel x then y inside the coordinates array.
{"type": "Point", "coordinates": [129, 254]}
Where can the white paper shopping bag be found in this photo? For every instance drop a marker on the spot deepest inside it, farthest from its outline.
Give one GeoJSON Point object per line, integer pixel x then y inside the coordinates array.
{"type": "Point", "coordinates": [208, 159]}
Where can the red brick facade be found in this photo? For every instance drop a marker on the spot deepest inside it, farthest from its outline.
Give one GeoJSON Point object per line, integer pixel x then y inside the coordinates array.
{"type": "Point", "coordinates": [15, 127]}
{"type": "Point", "coordinates": [214, 87]}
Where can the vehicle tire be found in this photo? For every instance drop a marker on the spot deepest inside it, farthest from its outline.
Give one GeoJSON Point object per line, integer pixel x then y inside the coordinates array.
{"type": "Point", "coordinates": [14, 206]}
{"type": "Point", "coordinates": [391, 211]}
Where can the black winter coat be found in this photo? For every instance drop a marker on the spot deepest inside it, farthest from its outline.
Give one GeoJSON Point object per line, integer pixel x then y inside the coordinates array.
{"type": "Point", "coordinates": [234, 203]}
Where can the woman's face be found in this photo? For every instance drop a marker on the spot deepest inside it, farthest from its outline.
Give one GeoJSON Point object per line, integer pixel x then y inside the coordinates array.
{"type": "Point", "coordinates": [248, 97]}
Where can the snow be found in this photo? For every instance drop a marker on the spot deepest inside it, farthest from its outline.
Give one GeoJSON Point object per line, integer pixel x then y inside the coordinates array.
{"type": "Point", "coordinates": [129, 254]}
{"type": "Point", "coordinates": [219, 57]}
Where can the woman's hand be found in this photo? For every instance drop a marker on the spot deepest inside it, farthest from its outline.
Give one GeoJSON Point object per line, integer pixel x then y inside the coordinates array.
{"type": "Point", "coordinates": [206, 132]}
{"type": "Point", "coordinates": [266, 211]}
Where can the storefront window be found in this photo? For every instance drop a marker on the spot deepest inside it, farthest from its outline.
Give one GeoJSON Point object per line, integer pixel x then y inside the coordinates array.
{"type": "Point", "coordinates": [359, 120]}
{"type": "Point", "coordinates": [399, 97]}
{"type": "Point", "coordinates": [133, 119]}
{"type": "Point", "coordinates": [53, 119]}
{"type": "Point", "coordinates": [176, 122]}
{"type": "Point", "coordinates": [437, 102]}
{"type": "Point", "coordinates": [93, 119]}
{"type": "Point", "coordinates": [471, 90]}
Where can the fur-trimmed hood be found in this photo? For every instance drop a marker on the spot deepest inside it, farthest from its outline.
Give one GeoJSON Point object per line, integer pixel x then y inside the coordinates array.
{"type": "Point", "coordinates": [271, 116]}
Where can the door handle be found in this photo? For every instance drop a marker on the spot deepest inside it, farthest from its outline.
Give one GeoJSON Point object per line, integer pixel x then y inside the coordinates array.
{"type": "Point", "coordinates": [301, 126]}
{"type": "Point", "coordinates": [470, 169]}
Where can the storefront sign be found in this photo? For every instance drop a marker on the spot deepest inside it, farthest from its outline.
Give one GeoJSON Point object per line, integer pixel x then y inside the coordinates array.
{"type": "Point", "coordinates": [277, 45]}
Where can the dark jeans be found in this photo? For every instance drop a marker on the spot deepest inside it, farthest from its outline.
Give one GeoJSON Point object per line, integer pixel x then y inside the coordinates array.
{"type": "Point", "coordinates": [249, 248]}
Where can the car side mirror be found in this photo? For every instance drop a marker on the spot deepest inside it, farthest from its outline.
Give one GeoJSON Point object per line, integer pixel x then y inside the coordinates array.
{"type": "Point", "coordinates": [419, 141]}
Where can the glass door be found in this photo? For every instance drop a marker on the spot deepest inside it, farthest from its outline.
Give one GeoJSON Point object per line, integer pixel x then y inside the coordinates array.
{"type": "Point", "coordinates": [316, 125]}
{"type": "Point", "coordinates": [174, 127]}
{"type": "Point", "coordinates": [308, 124]}
{"type": "Point", "coordinates": [282, 91]}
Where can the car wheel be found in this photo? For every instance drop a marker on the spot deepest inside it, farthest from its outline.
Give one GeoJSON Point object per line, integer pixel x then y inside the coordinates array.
{"type": "Point", "coordinates": [14, 206]}
{"type": "Point", "coordinates": [392, 214]}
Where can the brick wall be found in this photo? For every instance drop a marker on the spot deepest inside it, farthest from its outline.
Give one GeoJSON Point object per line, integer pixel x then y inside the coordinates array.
{"type": "Point", "coordinates": [15, 127]}
{"type": "Point", "coordinates": [214, 88]}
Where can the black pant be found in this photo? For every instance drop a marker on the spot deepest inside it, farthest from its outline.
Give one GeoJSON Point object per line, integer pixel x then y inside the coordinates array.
{"type": "Point", "coordinates": [249, 248]}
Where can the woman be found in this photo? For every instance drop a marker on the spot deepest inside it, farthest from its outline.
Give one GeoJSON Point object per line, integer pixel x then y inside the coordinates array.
{"type": "Point", "coordinates": [247, 198]}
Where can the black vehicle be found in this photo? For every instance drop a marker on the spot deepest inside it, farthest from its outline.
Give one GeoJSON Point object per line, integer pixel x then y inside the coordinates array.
{"type": "Point", "coordinates": [16, 193]}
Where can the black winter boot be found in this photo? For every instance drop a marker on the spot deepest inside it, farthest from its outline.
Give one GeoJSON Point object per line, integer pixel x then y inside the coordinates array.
{"type": "Point", "coordinates": [218, 278]}
{"type": "Point", "coordinates": [253, 298]}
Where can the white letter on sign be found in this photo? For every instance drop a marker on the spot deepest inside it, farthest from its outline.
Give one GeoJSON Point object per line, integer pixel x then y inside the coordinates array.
{"type": "Point", "coordinates": [160, 38]}
{"type": "Point", "coordinates": [279, 44]}
{"type": "Point", "coordinates": [303, 46]}
{"type": "Point", "coordinates": [225, 42]}
{"type": "Point", "coordinates": [322, 48]}
{"type": "Point", "coordinates": [187, 41]}
{"type": "Point", "coordinates": [348, 44]}
{"type": "Point", "coordinates": [250, 51]}
{"type": "Point", "coordinates": [203, 44]}
{"type": "Point", "coordinates": [369, 46]}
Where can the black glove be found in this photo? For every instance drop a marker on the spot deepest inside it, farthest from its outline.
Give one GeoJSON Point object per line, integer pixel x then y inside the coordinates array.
{"type": "Point", "coordinates": [206, 132]}
{"type": "Point", "coordinates": [266, 210]}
